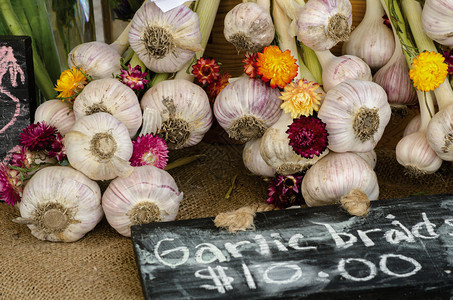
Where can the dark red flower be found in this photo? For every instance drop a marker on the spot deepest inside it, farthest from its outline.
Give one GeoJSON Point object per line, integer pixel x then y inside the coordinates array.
{"type": "Point", "coordinates": [307, 136]}
{"type": "Point", "coordinates": [387, 21]}
{"type": "Point", "coordinates": [449, 60]}
{"type": "Point", "coordinates": [57, 148]}
{"type": "Point", "coordinates": [38, 137]}
{"type": "Point", "coordinates": [206, 71]}
{"type": "Point", "coordinates": [10, 185]}
{"type": "Point", "coordinates": [250, 64]}
{"type": "Point", "coordinates": [285, 191]}
{"type": "Point", "coordinates": [23, 158]}
{"type": "Point", "coordinates": [217, 86]}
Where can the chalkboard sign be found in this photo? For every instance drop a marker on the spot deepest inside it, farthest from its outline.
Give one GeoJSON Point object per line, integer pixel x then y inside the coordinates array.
{"type": "Point", "coordinates": [17, 91]}
{"type": "Point", "coordinates": [402, 250]}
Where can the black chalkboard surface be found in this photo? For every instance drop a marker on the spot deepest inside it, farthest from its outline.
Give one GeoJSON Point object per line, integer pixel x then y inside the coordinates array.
{"type": "Point", "coordinates": [402, 250]}
{"type": "Point", "coordinates": [17, 91]}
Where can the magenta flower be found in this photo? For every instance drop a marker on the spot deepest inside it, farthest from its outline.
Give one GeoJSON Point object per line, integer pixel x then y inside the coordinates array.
{"type": "Point", "coordinates": [285, 191]}
{"type": "Point", "coordinates": [149, 150]}
{"type": "Point", "coordinates": [23, 158]}
{"type": "Point", "coordinates": [308, 136]}
{"type": "Point", "coordinates": [10, 185]}
{"type": "Point", "coordinates": [38, 137]}
{"type": "Point", "coordinates": [449, 60]}
{"type": "Point", "coordinates": [134, 78]}
{"type": "Point", "coordinates": [57, 148]}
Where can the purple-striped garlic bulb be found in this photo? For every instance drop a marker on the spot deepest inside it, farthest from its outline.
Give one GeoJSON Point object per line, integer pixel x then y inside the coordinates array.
{"type": "Point", "coordinates": [56, 113]}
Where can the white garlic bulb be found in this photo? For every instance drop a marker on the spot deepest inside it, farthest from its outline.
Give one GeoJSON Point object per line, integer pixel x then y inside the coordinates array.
{"type": "Point", "coordinates": [56, 113]}
{"type": "Point", "coordinates": [165, 42]}
{"type": "Point", "coordinates": [60, 204]}
{"type": "Point", "coordinates": [322, 24]}
{"type": "Point", "coordinates": [371, 40]}
{"type": "Point", "coordinates": [181, 110]}
{"type": "Point", "coordinates": [249, 27]}
{"type": "Point", "coordinates": [370, 157]}
{"type": "Point", "coordinates": [279, 154]}
{"type": "Point", "coordinates": [147, 195]}
{"type": "Point", "coordinates": [97, 59]}
{"type": "Point", "coordinates": [413, 125]}
{"type": "Point", "coordinates": [440, 133]}
{"type": "Point", "coordinates": [335, 175]}
{"type": "Point", "coordinates": [111, 96]}
{"type": "Point", "coordinates": [99, 146]}
{"type": "Point", "coordinates": [437, 21]}
{"type": "Point", "coordinates": [336, 69]}
{"type": "Point", "coordinates": [356, 113]}
{"type": "Point", "coordinates": [246, 107]}
{"type": "Point", "coordinates": [253, 161]}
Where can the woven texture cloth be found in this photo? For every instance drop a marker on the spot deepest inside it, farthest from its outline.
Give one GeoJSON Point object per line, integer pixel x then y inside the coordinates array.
{"type": "Point", "coordinates": [102, 265]}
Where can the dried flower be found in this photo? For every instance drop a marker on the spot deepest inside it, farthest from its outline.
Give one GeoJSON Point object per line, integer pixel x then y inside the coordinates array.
{"type": "Point", "coordinates": [134, 78]}
{"type": "Point", "coordinates": [23, 158]}
{"type": "Point", "coordinates": [429, 71]}
{"type": "Point", "coordinates": [57, 148]}
{"type": "Point", "coordinates": [284, 191]}
{"type": "Point", "coordinates": [217, 86]}
{"type": "Point", "coordinates": [206, 71]}
{"type": "Point", "coordinates": [149, 150]}
{"type": "Point", "coordinates": [276, 66]}
{"type": "Point", "coordinates": [387, 21]}
{"type": "Point", "coordinates": [70, 84]}
{"type": "Point", "coordinates": [10, 185]}
{"type": "Point", "coordinates": [250, 64]}
{"type": "Point", "coordinates": [301, 98]}
{"type": "Point", "coordinates": [449, 60]}
{"type": "Point", "coordinates": [38, 137]}
{"type": "Point", "coordinates": [308, 136]}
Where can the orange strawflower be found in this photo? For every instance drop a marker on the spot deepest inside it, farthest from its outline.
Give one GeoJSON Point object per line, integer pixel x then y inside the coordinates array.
{"type": "Point", "coordinates": [277, 67]}
{"type": "Point", "coordinates": [71, 82]}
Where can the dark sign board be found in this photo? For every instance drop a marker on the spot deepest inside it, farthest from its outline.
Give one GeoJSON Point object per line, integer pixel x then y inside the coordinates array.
{"type": "Point", "coordinates": [402, 250]}
{"type": "Point", "coordinates": [17, 91]}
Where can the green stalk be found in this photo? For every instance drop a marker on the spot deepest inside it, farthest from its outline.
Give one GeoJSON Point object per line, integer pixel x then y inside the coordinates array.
{"type": "Point", "coordinates": [312, 62]}
{"type": "Point", "coordinates": [42, 78]}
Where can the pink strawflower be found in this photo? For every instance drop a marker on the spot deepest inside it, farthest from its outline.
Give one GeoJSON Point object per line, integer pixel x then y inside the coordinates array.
{"type": "Point", "coordinates": [206, 71]}
{"type": "Point", "coordinates": [23, 158]}
{"type": "Point", "coordinates": [38, 137]}
{"type": "Point", "coordinates": [10, 185]}
{"type": "Point", "coordinates": [134, 78]}
{"type": "Point", "coordinates": [149, 150]}
{"type": "Point", "coordinates": [307, 136]}
{"type": "Point", "coordinates": [449, 60]}
{"type": "Point", "coordinates": [285, 191]}
{"type": "Point", "coordinates": [57, 148]}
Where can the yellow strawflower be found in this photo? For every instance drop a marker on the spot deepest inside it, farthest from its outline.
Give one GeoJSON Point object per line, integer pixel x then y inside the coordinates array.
{"type": "Point", "coordinates": [301, 98]}
{"type": "Point", "coordinates": [428, 71]}
{"type": "Point", "coordinates": [70, 83]}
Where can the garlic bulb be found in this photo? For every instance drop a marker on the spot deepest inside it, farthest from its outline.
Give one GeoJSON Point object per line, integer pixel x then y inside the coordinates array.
{"type": "Point", "coordinates": [147, 195]}
{"type": "Point", "coordinates": [248, 27]}
{"type": "Point", "coordinates": [440, 133]}
{"type": "Point", "coordinates": [56, 113]}
{"type": "Point", "coordinates": [99, 146]}
{"type": "Point", "coordinates": [370, 157]}
{"type": "Point", "coordinates": [338, 69]}
{"type": "Point", "coordinates": [335, 175]}
{"type": "Point", "coordinates": [97, 59]}
{"type": "Point", "coordinates": [181, 112]}
{"type": "Point", "coordinates": [60, 204]}
{"type": "Point", "coordinates": [279, 154]}
{"type": "Point", "coordinates": [111, 96]}
{"type": "Point", "coordinates": [356, 113]}
{"type": "Point", "coordinates": [437, 21]}
{"type": "Point", "coordinates": [165, 42]}
{"type": "Point", "coordinates": [371, 40]}
{"type": "Point", "coordinates": [253, 161]}
{"type": "Point", "coordinates": [413, 125]}
{"type": "Point", "coordinates": [322, 24]}
{"type": "Point", "coordinates": [246, 107]}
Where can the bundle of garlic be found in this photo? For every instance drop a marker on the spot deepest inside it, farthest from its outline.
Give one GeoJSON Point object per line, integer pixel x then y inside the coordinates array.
{"type": "Point", "coordinates": [60, 204]}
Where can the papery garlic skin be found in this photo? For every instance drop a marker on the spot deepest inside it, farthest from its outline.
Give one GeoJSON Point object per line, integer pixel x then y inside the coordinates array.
{"type": "Point", "coordinates": [97, 59]}
{"type": "Point", "coordinates": [370, 157]}
{"type": "Point", "coordinates": [356, 113]}
{"type": "Point", "coordinates": [111, 96]}
{"type": "Point", "coordinates": [147, 195]}
{"type": "Point", "coordinates": [413, 125]}
{"type": "Point", "coordinates": [437, 21]}
{"type": "Point", "coordinates": [371, 40]}
{"type": "Point", "coordinates": [181, 110]}
{"type": "Point", "coordinates": [248, 27]}
{"type": "Point", "coordinates": [99, 146]}
{"type": "Point", "coordinates": [246, 107]}
{"type": "Point", "coordinates": [279, 154]}
{"type": "Point", "coordinates": [61, 203]}
{"type": "Point", "coordinates": [335, 175]}
{"type": "Point", "coordinates": [440, 133]}
{"type": "Point", "coordinates": [321, 24]}
{"type": "Point", "coordinates": [253, 160]}
{"type": "Point", "coordinates": [165, 42]}
{"type": "Point", "coordinates": [56, 113]}
{"type": "Point", "coordinates": [416, 155]}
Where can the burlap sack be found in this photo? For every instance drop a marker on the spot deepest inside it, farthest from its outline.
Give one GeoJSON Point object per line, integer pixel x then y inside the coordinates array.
{"type": "Point", "coordinates": [102, 266]}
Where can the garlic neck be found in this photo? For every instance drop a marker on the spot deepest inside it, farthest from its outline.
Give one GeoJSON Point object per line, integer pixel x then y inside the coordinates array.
{"type": "Point", "coordinates": [425, 102]}
{"type": "Point", "coordinates": [122, 42]}
{"type": "Point", "coordinates": [373, 11]}
{"type": "Point", "coordinates": [324, 57]}
{"type": "Point", "coordinates": [444, 94]}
